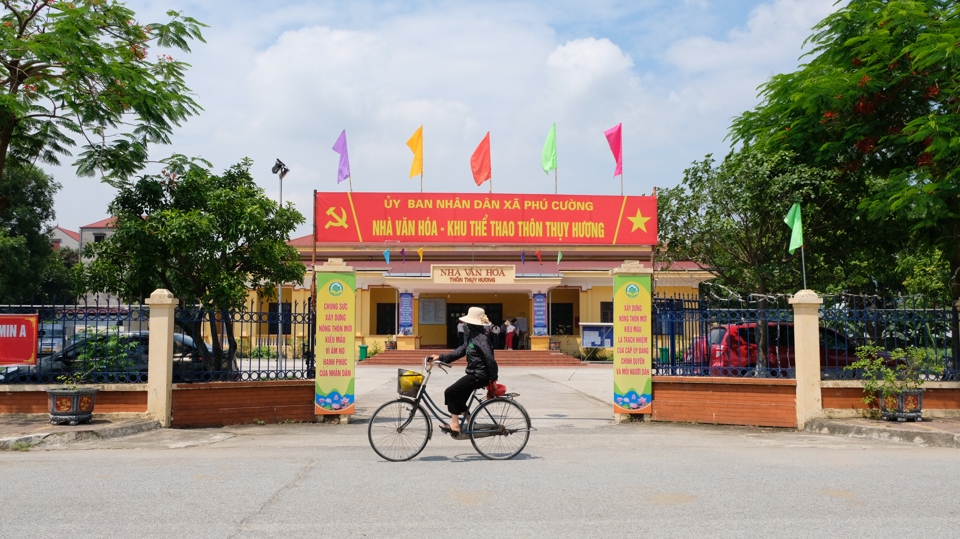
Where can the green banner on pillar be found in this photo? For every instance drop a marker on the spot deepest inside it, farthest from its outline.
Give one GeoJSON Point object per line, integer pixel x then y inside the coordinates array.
{"type": "Point", "coordinates": [633, 344]}
{"type": "Point", "coordinates": [335, 350]}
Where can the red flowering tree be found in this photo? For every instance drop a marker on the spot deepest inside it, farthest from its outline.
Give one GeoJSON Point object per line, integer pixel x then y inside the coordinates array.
{"type": "Point", "coordinates": [86, 70]}
{"type": "Point", "coordinates": [879, 100]}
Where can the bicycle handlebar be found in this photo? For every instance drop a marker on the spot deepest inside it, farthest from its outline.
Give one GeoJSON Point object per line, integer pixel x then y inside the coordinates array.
{"type": "Point", "coordinates": [428, 365]}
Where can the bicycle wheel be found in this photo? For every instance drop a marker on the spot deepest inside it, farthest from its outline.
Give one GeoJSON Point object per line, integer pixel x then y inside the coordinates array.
{"type": "Point", "coordinates": [499, 429]}
{"type": "Point", "coordinates": [390, 438]}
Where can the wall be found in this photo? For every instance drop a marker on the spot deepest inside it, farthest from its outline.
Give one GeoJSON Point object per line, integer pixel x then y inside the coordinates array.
{"type": "Point", "coordinates": [590, 302]}
{"type": "Point", "coordinates": [726, 401]}
{"type": "Point", "coordinates": [230, 403]}
{"type": "Point", "coordinates": [845, 399]}
{"type": "Point", "coordinates": [111, 399]}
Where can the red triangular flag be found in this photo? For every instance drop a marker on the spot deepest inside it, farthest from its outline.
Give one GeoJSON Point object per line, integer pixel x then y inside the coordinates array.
{"type": "Point", "coordinates": [480, 161]}
{"type": "Point", "coordinates": [539, 258]}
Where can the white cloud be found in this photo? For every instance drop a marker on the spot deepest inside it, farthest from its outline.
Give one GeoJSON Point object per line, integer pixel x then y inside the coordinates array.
{"type": "Point", "coordinates": [285, 83]}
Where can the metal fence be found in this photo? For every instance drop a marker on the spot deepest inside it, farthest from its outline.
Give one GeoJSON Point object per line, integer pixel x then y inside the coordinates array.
{"type": "Point", "coordinates": [251, 344]}
{"type": "Point", "coordinates": [108, 342]}
{"type": "Point", "coordinates": [97, 341]}
{"type": "Point", "coordinates": [847, 322]}
{"type": "Point", "coordinates": [708, 336]}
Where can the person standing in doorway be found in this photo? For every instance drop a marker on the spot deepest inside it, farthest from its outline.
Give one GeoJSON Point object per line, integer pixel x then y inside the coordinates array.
{"type": "Point", "coordinates": [511, 333]}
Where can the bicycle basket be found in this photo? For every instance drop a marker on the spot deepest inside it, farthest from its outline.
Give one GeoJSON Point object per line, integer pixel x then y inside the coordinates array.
{"type": "Point", "coordinates": [408, 382]}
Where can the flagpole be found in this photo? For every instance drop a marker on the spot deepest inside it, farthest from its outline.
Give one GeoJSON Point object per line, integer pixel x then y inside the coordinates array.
{"type": "Point", "coordinates": [555, 181]}
{"type": "Point", "coordinates": [421, 180]}
{"type": "Point", "coordinates": [351, 183]}
{"type": "Point", "coordinates": [803, 264]}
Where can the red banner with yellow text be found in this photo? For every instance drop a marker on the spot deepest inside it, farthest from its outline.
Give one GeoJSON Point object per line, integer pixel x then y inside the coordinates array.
{"type": "Point", "coordinates": [486, 218]}
{"type": "Point", "coordinates": [18, 339]}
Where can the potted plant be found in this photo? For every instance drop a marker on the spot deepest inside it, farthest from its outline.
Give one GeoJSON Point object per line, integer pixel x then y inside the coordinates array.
{"type": "Point", "coordinates": [895, 379]}
{"type": "Point", "coordinates": [390, 343]}
{"type": "Point", "coordinates": [100, 354]}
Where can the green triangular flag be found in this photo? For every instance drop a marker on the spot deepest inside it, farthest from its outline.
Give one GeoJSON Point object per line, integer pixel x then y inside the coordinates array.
{"type": "Point", "coordinates": [559, 256]}
{"type": "Point", "coordinates": [550, 150]}
{"type": "Point", "coordinates": [795, 223]}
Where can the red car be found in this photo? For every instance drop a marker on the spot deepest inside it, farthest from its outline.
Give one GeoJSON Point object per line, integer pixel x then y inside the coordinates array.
{"type": "Point", "coordinates": [727, 349]}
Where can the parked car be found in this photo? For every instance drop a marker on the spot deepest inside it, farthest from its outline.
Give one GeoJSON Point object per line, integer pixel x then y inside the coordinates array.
{"type": "Point", "coordinates": [732, 349]}
{"type": "Point", "coordinates": [119, 357]}
{"type": "Point", "coordinates": [50, 338]}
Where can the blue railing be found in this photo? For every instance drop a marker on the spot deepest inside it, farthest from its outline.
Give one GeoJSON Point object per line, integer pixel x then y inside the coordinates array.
{"type": "Point", "coordinates": [847, 322]}
{"type": "Point", "coordinates": [250, 344]}
{"type": "Point", "coordinates": [108, 342]}
{"type": "Point", "coordinates": [711, 336]}
{"type": "Point", "coordinates": [96, 341]}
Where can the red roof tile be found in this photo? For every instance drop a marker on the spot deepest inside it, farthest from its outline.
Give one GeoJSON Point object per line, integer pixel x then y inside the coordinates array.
{"type": "Point", "coordinates": [103, 223]}
{"type": "Point", "coordinates": [72, 234]}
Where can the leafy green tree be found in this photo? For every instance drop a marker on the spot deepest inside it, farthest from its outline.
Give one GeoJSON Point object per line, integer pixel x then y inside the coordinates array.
{"type": "Point", "coordinates": [879, 99]}
{"type": "Point", "coordinates": [206, 238]}
{"type": "Point", "coordinates": [729, 218]}
{"type": "Point", "coordinates": [57, 279]}
{"type": "Point", "coordinates": [25, 251]}
{"type": "Point", "coordinates": [84, 69]}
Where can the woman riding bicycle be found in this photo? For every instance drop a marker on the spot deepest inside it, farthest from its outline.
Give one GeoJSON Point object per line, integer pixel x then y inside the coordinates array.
{"type": "Point", "coordinates": [481, 366]}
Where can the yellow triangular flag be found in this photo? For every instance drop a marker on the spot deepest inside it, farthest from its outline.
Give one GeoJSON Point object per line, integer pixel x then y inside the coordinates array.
{"type": "Point", "coordinates": [420, 252]}
{"type": "Point", "coordinates": [416, 146]}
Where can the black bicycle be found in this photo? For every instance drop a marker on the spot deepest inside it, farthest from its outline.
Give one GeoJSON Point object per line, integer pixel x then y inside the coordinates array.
{"type": "Point", "coordinates": [498, 427]}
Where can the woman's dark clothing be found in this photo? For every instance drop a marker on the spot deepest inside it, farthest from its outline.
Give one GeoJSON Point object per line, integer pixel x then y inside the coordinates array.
{"type": "Point", "coordinates": [457, 395]}
{"type": "Point", "coordinates": [481, 369]}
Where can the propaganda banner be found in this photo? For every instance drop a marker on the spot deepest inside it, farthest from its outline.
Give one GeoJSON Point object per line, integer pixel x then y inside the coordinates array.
{"type": "Point", "coordinates": [486, 218]}
{"type": "Point", "coordinates": [18, 339]}
{"type": "Point", "coordinates": [336, 353]}
{"type": "Point", "coordinates": [632, 326]}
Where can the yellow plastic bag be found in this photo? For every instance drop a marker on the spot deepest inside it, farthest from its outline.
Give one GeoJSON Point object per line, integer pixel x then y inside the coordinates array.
{"type": "Point", "coordinates": [408, 382]}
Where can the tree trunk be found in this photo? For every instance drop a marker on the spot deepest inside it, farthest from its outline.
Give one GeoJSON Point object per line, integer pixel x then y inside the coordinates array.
{"type": "Point", "coordinates": [217, 363]}
{"type": "Point", "coordinates": [6, 135]}
{"type": "Point", "coordinates": [762, 329]}
{"type": "Point", "coordinates": [231, 338]}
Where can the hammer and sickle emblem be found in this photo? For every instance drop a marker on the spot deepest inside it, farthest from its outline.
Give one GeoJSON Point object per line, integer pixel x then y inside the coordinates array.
{"type": "Point", "coordinates": [338, 220]}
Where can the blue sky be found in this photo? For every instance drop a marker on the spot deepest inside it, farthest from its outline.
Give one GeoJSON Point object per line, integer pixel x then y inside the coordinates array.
{"type": "Point", "coordinates": [282, 82]}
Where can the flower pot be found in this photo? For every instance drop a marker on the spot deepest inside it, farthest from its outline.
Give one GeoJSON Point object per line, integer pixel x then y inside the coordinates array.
{"type": "Point", "coordinates": [904, 406]}
{"type": "Point", "coordinates": [555, 345]}
{"type": "Point", "coordinates": [390, 345]}
{"type": "Point", "coordinates": [73, 406]}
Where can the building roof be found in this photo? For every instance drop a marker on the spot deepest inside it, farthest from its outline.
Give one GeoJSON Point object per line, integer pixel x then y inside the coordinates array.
{"type": "Point", "coordinates": [103, 223]}
{"type": "Point", "coordinates": [70, 233]}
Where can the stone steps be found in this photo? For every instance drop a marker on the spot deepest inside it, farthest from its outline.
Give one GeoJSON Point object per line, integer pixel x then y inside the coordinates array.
{"type": "Point", "coordinates": [505, 358]}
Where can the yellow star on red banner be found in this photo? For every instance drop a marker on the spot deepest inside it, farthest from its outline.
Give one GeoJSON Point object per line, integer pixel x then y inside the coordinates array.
{"type": "Point", "coordinates": [639, 221]}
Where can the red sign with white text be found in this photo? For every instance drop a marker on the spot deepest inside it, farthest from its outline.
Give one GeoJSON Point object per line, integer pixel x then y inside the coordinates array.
{"type": "Point", "coordinates": [18, 339]}
{"type": "Point", "coordinates": [486, 218]}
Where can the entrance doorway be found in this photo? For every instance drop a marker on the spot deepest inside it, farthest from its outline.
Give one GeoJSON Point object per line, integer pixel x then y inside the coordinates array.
{"type": "Point", "coordinates": [494, 312]}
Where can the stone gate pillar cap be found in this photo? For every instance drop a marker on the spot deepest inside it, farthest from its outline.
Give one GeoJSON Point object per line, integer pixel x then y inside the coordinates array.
{"type": "Point", "coordinates": [806, 296]}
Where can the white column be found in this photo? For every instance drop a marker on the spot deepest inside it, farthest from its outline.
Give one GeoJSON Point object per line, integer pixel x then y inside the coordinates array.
{"type": "Point", "coordinates": [806, 325]}
{"type": "Point", "coordinates": [160, 359]}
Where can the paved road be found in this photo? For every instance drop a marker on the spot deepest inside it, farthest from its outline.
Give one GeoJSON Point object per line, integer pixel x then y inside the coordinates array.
{"type": "Point", "coordinates": [580, 476]}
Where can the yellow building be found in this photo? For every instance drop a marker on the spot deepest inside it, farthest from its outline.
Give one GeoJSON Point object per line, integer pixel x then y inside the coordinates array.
{"type": "Point", "coordinates": [510, 276]}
